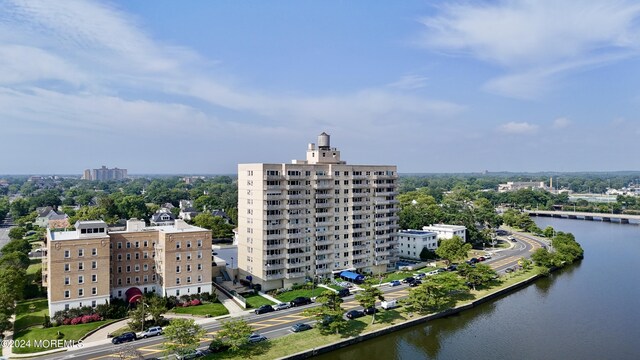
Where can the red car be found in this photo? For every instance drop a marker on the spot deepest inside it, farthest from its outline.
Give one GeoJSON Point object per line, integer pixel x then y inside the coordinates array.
{"type": "Point", "coordinates": [482, 258]}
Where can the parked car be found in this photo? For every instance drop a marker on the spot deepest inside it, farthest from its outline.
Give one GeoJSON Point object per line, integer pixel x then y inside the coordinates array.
{"type": "Point", "coordinates": [452, 267]}
{"type": "Point", "coordinates": [389, 304]}
{"type": "Point", "coordinates": [420, 276]}
{"type": "Point", "coordinates": [415, 283]}
{"type": "Point", "coordinates": [152, 331]}
{"type": "Point", "coordinates": [371, 310]}
{"type": "Point", "coordinates": [256, 338]}
{"type": "Point", "coordinates": [474, 260]}
{"type": "Point", "coordinates": [354, 314]}
{"type": "Point", "coordinates": [487, 257]}
{"type": "Point", "coordinates": [344, 292]}
{"type": "Point", "coordinates": [299, 301]}
{"type": "Point", "coordinates": [189, 356]}
{"type": "Point", "coordinates": [482, 258]}
{"type": "Point", "coordinates": [508, 270]}
{"type": "Point", "coordinates": [394, 283]}
{"type": "Point", "coordinates": [512, 239]}
{"type": "Point", "coordinates": [217, 346]}
{"type": "Point", "coordinates": [125, 337]}
{"type": "Point", "coordinates": [300, 327]}
{"type": "Point", "coordinates": [408, 280]}
{"type": "Point", "coordinates": [264, 309]}
{"type": "Point", "coordinates": [281, 306]}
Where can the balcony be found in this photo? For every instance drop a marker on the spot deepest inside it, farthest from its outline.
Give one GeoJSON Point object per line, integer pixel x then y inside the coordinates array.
{"type": "Point", "coordinates": [273, 267]}
{"type": "Point", "coordinates": [294, 275]}
{"type": "Point", "coordinates": [274, 277]}
{"type": "Point", "coordinates": [361, 247]}
{"type": "Point", "coordinates": [297, 245]}
{"type": "Point", "coordinates": [324, 186]}
{"type": "Point", "coordinates": [296, 206]}
{"type": "Point", "coordinates": [294, 256]}
{"type": "Point", "coordinates": [274, 237]}
{"type": "Point", "coordinates": [326, 240]}
{"type": "Point", "coordinates": [273, 257]}
{"type": "Point", "coordinates": [359, 256]}
{"type": "Point", "coordinates": [296, 187]}
{"type": "Point", "coordinates": [381, 262]}
{"type": "Point", "coordinates": [324, 196]}
{"type": "Point", "coordinates": [324, 261]}
{"type": "Point", "coordinates": [322, 271]}
{"type": "Point", "coordinates": [324, 205]}
{"type": "Point", "coordinates": [324, 252]}
{"type": "Point", "coordinates": [295, 226]}
{"type": "Point", "coordinates": [276, 246]}
{"type": "Point", "coordinates": [273, 207]}
{"type": "Point", "coordinates": [361, 203]}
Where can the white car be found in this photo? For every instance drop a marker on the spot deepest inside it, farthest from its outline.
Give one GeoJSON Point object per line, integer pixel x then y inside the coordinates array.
{"type": "Point", "coordinates": [152, 331]}
{"type": "Point", "coordinates": [281, 306]}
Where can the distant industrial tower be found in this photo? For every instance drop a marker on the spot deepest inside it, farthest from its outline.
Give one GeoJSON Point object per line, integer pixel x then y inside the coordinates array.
{"type": "Point", "coordinates": [315, 217]}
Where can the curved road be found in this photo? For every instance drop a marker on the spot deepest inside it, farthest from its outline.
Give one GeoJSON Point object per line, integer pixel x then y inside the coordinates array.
{"type": "Point", "coordinates": [277, 324]}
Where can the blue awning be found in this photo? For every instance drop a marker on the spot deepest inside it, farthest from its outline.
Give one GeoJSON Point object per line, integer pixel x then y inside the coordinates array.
{"type": "Point", "coordinates": [352, 276]}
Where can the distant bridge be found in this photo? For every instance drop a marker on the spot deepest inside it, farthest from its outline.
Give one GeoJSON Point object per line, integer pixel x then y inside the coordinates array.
{"type": "Point", "coordinates": [620, 218]}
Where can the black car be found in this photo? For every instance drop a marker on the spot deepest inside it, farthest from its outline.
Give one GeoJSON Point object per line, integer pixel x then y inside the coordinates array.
{"type": "Point", "coordinates": [415, 283]}
{"type": "Point", "coordinates": [354, 314]}
{"type": "Point", "coordinates": [300, 327]}
{"type": "Point", "coordinates": [125, 337]}
{"type": "Point", "coordinates": [299, 301]}
{"type": "Point", "coordinates": [370, 310]}
{"type": "Point", "coordinates": [408, 280]}
{"type": "Point", "coordinates": [264, 309]}
{"type": "Point", "coordinates": [452, 267]}
{"type": "Point", "coordinates": [343, 292]}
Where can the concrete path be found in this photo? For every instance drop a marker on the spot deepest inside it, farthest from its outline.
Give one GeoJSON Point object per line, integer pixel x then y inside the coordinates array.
{"type": "Point", "coordinates": [102, 333]}
{"type": "Point", "coordinates": [234, 309]}
{"type": "Point", "coordinates": [269, 297]}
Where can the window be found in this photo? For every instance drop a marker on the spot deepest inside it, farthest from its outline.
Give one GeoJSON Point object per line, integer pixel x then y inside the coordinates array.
{"type": "Point", "coordinates": [137, 267]}
{"type": "Point", "coordinates": [137, 279]}
{"type": "Point", "coordinates": [177, 281]}
{"type": "Point", "coordinates": [178, 257]}
{"type": "Point", "coordinates": [94, 252]}
{"type": "Point", "coordinates": [199, 243]}
{"type": "Point", "coordinates": [93, 303]}
{"type": "Point", "coordinates": [128, 256]}
{"type": "Point", "coordinates": [188, 256]}
{"type": "Point", "coordinates": [178, 268]}
{"type": "Point", "coordinates": [188, 244]}
{"type": "Point", "coordinates": [178, 291]}
{"type": "Point", "coordinates": [128, 245]}
{"type": "Point", "coordinates": [119, 269]}
{"type": "Point", "coordinates": [199, 278]}
{"type": "Point", "coordinates": [80, 252]}
{"type": "Point", "coordinates": [119, 293]}
{"type": "Point", "coordinates": [66, 280]}
{"type": "Point", "coordinates": [94, 277]}
{"type": "Point", "coordinates": [119, 245]}
{"type": "Point", "coordinates": [189, 267]}
{"type": "Point", "coordinates": [80, 279]}
{"type": "Point", "coordinates": [94, 291]}
{"type": "Point", "coordinates": [199, 266]}
{"type": "Point", "coordinates": [145, 278]}
{"type": "Point", "coordinates": [177, 244]}
{"type": "Point", "coordinates": [119, 257]}
{"type": "Point", "coordinates": [137, 256]}
{"type": "Point", "coordinates": [67, 254]}
{"type": "Point", "coordinates": [80, 266]}
{"type": "Point", "coordinates": [128, 280]}
{"type": "Point", "coordinates": [199, 254]}
{"type": "Point", "coordinates": [94, 264]}
{"type": "Point", "coordinates": [80, 292]}
{"type": "Point", "coordinates": [119, 283]}
{"type": "Point", "coordinates": [137, 244]}
{"type": "Point", "coordinates": [145, 255]}
{"type": "Point", "coordinates": [145, 267]}
{"type": "Point", "coordinates": [66, 306]}
{"type": "Point", "coordinates": [67, 294]}
{"type": "Point", "coordinates": [145, 243]}
{"type": "Point", "coordinates": [188, 279]}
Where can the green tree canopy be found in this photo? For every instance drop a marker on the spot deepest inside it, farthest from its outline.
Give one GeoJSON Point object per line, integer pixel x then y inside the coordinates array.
{"type": "Point", "coordinates": [235, 333]}
{"type": "Point", "coordinates": [182, 336]}
{"type": "Point", "coordinates": [453, 249]}
{"type": "Point", "coordinates": [437, 292]}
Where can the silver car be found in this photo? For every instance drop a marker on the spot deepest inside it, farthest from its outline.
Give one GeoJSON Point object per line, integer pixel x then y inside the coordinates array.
{"type": "Point", "coordinates": [281, 306]}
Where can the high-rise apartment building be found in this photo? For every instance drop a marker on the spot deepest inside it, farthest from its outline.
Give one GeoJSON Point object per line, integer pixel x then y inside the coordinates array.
{"type": "Point", "coordinates": [104, 173]}
{"type": "Point", "coordinates": [315, 217]}
{"type": "Point", "coordinates": [91, 265]}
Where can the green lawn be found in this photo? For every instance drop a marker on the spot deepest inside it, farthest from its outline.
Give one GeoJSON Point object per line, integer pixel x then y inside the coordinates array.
{"type": "Point", "coordinates": [68, 332]}
{"type": "Point", "coordinates": [36, 264]}
{"type": "Point", "coordinates": [290, 295]}
{"type": "Point", "coordinates": [255, 300]}
{"type": "Point", "coordinates": [213, 309]}
{"type": "Point", "coordinates": [30, 313]}
{"type": "Point", "coordinates": [398, 275]}
{"type": "Point", "coordinates": [335, 287]}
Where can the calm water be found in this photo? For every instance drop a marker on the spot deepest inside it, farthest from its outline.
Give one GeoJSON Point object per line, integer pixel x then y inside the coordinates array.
{"type": "Point", "coordinates": [590, 310]}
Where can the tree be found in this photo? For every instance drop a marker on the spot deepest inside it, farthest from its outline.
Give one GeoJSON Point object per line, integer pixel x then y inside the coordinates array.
{"type": "Point", "coordinates": [16, 259]}
{"type": "Point", "coordinates": [182, 336]}
{"type": "Point", "coordinates": [436, 293]}
{"type": "Point", "coordinates": [330, 313]}
{"type": "Point", "coordinates": [235, 333]}
{"type": "Point", "coordinates": [525, 263]}
{"type": "Point", "coordinates": [548, 232]}
{"type": "Point", "coordinates": [479, 275]}
{"type": "Point", "coordinates": [542, 257]}
{"type": "Point", "coordinates": [19, 208]}
{"type": "Point", "coordinates": [17, 245]}
{"type": "Point", "coordinates": [219, 228]}
{"type": "Point", "coordinates": [137, 316]}
{"type": "Point", "coordinates": [368, 297]}
{"type": "Point", "coordinates": [157, 307]}
{"type": "Point", "coordinates": [453, 249]}
{"type": "Point", "coordinates": [17, 233]}
{"type": "Point", "coordinates": [128, 351]}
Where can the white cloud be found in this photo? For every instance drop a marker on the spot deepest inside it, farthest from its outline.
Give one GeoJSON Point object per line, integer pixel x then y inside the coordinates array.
{"type": "Point", "coordinates": [561, 123]}
{"type": "Point", "coordinates": [518, 128]}
{"type": "Point", "coordinates": [409, 82]}
{"type": "Point", "coordinates": [536, 40]}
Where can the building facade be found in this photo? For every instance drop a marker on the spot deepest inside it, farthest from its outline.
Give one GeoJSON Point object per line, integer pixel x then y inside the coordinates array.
{"type": "Point", "coordinates": [91, 265]}
{"type": "Point", "coordinates": [411, 243]}
{"type": "Point", "coordinates": [104, 173]}
{"type": "Point", "coordinates": [315, 217]}
{"type": "Point", "coordinates": [444, 231]}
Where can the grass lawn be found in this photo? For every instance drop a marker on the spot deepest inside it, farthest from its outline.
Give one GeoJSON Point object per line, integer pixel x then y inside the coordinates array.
{"type": "Point", "coordinates": [69, 332]}
{"type": "Point", "coordinates": [36, 264]}
{"type": "Point", "coordinates": [213, 309]}
{"type": "Point", "coordinates": [290, 295]}
{"type": "Point", "coordinates": [30, 313]}
{"type": "Point", "coordinates": [335, 287]}
{"type": "Point", "coordinates": [398, 275]}
{"type": "Point", "coordinates": [255, 300]}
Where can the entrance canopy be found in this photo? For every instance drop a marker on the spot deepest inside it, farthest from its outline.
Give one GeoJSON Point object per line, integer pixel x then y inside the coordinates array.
{"type": "Point", "coordinates": [352, 276]}
{"type": "Point", "coordinates": [133, 295]}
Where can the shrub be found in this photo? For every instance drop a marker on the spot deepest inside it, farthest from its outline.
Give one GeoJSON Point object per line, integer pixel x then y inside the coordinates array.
{"type": "Point", "coordinates": [47, 322]}
{"type": "Point", "coordinates": [66, 321]}
{"type": "Point", "coordinates": [195, 302]}
{"type": "Point", "coordinates": [76, 321]}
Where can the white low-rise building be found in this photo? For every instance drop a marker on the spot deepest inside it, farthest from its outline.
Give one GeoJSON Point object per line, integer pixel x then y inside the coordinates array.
{"type": "Point", "coordinates": [411, 243]}
{"type": "Point", "coordinates": [445, 231]}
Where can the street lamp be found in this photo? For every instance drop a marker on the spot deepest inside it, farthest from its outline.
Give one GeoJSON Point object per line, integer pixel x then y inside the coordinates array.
{"type": "Point", "coordinates": [232, 262]}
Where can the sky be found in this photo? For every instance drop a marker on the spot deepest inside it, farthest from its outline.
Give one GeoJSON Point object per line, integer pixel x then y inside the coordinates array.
{"type": "Point", "coordinates": [173, 87]}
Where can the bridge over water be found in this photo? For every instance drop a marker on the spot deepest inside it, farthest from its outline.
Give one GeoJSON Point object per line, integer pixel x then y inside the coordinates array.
{"type": "Point", "coordinates": [620, 218]}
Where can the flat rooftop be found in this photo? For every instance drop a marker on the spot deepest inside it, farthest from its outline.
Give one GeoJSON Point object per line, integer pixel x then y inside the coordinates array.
{"type": "Point", "coordinates": [417, 232]}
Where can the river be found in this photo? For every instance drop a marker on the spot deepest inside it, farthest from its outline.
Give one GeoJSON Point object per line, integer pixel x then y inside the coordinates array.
{"type": "Point", "coordinates": [590, 310]}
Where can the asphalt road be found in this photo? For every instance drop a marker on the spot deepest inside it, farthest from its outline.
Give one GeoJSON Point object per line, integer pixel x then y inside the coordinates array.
{"type": "Point", "coordinates": [277, 324]}
{"type": "Point", "coordinates": [5, 226]}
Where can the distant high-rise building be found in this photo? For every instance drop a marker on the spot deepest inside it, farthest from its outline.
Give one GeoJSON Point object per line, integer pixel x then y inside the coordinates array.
{"type": "Point", "coordinates": [104, 174]}
{"type": "Point", "coordinates": [315, 217]}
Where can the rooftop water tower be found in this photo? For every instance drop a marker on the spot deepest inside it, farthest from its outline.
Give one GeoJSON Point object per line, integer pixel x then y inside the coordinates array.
{"type": "Point", "coordinates": [324, 141]}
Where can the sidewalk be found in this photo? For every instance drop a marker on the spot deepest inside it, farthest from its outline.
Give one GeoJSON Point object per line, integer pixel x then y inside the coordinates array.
{"type": "Point", "coordinates": [234, 309]}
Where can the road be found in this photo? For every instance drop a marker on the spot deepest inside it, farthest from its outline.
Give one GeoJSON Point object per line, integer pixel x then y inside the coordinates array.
{"type": "Point", "coordinates": [277, 324]}
{"type": "Point", "coordinates": [5, 226]}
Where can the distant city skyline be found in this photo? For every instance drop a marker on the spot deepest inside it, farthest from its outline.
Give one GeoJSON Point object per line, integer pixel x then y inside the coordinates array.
{"type": "Point", "coordinates": [430, 86]}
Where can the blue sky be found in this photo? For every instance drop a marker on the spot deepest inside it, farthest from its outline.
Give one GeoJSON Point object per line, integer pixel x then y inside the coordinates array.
{"type": "Point", "coordinates": [431, 86]}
